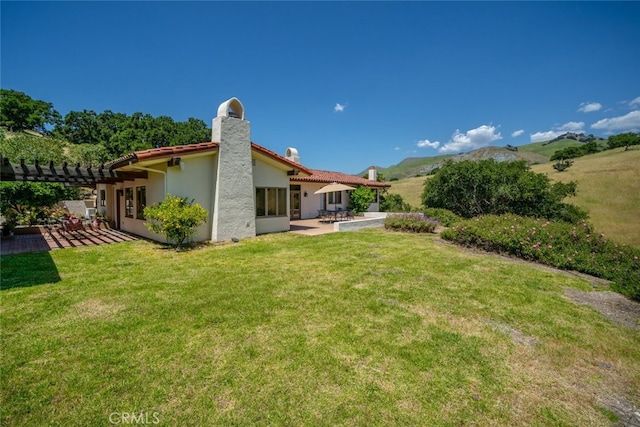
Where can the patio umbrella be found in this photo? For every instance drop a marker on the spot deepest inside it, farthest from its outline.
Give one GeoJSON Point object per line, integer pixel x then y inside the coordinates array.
{"type": "Point", "coordinates": [334, 186]}
{"type": "Point", "coordinates": [330, 188]}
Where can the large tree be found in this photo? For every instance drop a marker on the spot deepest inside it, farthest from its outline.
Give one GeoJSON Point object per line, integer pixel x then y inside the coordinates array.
{"type": "Point", "coordinates": [25, 202]}
{"type": "Point", "coordinates": [487, 187]}
{"type": "Point", "coordinates": [624, 140]}
{"type": "Point", "coordinates": [19, 112]}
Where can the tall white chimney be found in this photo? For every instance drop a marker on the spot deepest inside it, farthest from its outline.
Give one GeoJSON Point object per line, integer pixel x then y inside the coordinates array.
{"type": "Point", "coordinates": [373, 174]}
{"type": "Point", "coordinates": [234, 205]}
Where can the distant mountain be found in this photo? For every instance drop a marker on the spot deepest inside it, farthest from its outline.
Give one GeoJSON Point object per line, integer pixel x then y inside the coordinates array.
{"type": "Point", "coordinates": [534, 153]}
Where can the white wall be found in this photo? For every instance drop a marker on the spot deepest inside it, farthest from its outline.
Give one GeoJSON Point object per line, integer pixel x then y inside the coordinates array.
{"type": "Point", "coordinates": [313, 202]}
{"type": "Point", "coordinates": [193, 181]}
{"type": "Point", "coordinates": [155, 193]}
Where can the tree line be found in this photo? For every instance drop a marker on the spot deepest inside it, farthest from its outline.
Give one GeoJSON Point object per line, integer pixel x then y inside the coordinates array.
{"type": "Point", "coordinates": [86, 137]}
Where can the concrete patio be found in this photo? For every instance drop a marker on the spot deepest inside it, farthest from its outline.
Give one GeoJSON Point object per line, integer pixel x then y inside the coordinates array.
{"type": "Point", "coordinates": [314, 227]}
{"type": "Point", "coordinates": [311, 227]}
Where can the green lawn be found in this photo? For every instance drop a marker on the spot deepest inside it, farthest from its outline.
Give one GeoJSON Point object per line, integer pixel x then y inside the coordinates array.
{"type": "Point", "coordinates": [362, 328]}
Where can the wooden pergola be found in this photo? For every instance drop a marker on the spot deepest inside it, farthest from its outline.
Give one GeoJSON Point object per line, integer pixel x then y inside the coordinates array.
{"type": "Point", "coordinates": [78, 176]}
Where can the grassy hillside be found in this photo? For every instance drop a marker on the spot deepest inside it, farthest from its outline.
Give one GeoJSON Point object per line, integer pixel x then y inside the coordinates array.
{"type": "Point", "coordinates": [410, 189]}
{"type": "Point", "coordinates": [609, 188]}
{"type": "Point", "coordinates": [547, 149]}
{"type": "Point", "coordinates": [534, 153]}
{"type": "Point", "coordinates": [368, 328]}
{"type": "Point", "coordinates": [414, 166]}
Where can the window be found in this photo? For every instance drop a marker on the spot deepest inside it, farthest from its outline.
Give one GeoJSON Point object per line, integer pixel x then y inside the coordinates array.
{"type": "Point", "coordinates": [103, 197]}
{"type": "Point", "coordinates": [271, 202]}
{"type": "Point", "coordinates": [128, 202]}
{"type": "Point", "coordinates": [141, 201]}
{"type": "Point", "coordinates": [335, 198]}
{"type": "Point", "coordinates": [261, 201]}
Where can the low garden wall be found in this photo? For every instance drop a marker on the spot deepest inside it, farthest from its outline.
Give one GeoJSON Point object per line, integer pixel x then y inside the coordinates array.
{"type": "Point", "coordinates": [369, 220]}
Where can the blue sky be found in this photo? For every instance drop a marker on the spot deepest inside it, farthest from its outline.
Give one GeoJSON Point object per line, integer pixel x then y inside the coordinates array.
{"type": "Point", "coordinates": [349, 84]}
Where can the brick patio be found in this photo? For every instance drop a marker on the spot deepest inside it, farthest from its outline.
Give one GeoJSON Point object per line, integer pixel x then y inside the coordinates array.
{"type": "Point", "coordinates": [49, 239]}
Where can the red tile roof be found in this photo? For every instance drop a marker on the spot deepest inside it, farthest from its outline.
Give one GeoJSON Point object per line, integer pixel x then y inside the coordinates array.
{"type": "Point", "coordinates": [315, 175]}
{"type": "Point", "coordinates": [327, 177]}
{"type": "Point", "coordinates": [162, 152]}
{"type": "Point", "coordinates": [280, 158]}
{"type": "Point", "coordinates": [179, 150]}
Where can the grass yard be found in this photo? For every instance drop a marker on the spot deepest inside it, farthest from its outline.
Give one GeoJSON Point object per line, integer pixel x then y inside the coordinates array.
{"type": "Point", "coordinates": [361, 328]}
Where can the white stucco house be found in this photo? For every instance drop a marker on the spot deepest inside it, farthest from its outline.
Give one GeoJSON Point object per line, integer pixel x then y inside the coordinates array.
{"type": "Point", "coordinates": [246, 188]}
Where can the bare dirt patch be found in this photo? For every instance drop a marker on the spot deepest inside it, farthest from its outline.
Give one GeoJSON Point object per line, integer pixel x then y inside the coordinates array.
{"type": "Point", "coordinates": [613, 306]}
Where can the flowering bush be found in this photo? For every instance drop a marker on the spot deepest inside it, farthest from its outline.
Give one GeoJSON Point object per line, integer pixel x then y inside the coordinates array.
{"type": "Point", "coordinates": [175, 218]}
{"type": "Point", "coordinates": [568, 246]}
{"type": "Point", "coordinates": [444, 216]}
{"type": "Point", "coordinates": [412, 222]}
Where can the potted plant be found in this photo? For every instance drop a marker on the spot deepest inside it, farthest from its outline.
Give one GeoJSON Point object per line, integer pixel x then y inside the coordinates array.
{"type": "Point", "coordinates": [9, 226]}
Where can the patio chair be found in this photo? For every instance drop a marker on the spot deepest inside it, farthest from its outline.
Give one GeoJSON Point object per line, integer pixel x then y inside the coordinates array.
{"type": "Point", "coordinates": [326, 216]}
{"type": "Point", "coordinates": [72, 224]}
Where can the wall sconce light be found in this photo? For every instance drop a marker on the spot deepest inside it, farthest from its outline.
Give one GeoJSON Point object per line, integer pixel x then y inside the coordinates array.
{"type": "Point", "coordinates": [305, 194]}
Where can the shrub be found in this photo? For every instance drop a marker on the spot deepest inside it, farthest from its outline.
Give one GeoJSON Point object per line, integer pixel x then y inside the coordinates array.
{"type": "Point", "coordinates": [393, 203]}
{"type": "Point", "coordinates": [411, 222]}
{"type": "Point", "coordinates": [27, 202]}
{"type": "Point", "coordinates": [562, 165]}
{"type": "Point", "coordinates": [361, 198]}
{"type": "Point", "coordinates": [487, 187]}
{"type": "Point", "coordinates": [444, 216]}
{"type": "Point", "coordinates": [575, 151]}
{"type": "Point", "coordinates": [174, 217]}
{"type": "Point", "coordinates": [567, 246]}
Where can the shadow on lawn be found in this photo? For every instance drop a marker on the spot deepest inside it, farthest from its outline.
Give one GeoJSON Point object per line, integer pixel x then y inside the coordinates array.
{"type": "Point", "coordinates": [28, 269]}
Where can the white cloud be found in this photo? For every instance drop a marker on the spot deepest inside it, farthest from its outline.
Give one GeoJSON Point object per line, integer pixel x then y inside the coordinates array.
{"type": "Point", "coordinates": [517, 133]}
{"type": "Point", "coordinates": [588, 107]}
{"type": "Point", "coordinates": [629, 122]}
{"type": "Point", "coordinates": [472, 139]}
{"type": "Point", "coordinates": [339, 108]}
{"type": "Point", "coordinates": [397, 148]}
{"type": "Point", "coordinates": [576, 127]}
{"type": "Point", "coordinates": [635, 103]}
{"type": "Point", "coordinates": [544, 136]}
{"type": "Point", "coordinates": [425, 143]}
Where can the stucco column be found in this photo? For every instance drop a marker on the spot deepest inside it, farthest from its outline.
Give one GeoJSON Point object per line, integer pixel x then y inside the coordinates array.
{"type": "Point", "coordinates": [234, 205]}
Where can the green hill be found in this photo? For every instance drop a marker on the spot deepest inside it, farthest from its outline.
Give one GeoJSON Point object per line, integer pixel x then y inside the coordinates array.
{"type": "Point", "coordinates": [418, 166]}
{"type": "Point", "coordinates": [548, 148]}
{"type": "Point", "coordinates": [534, 153]}
{"type": "Point", "coordinates": [608, 188]}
